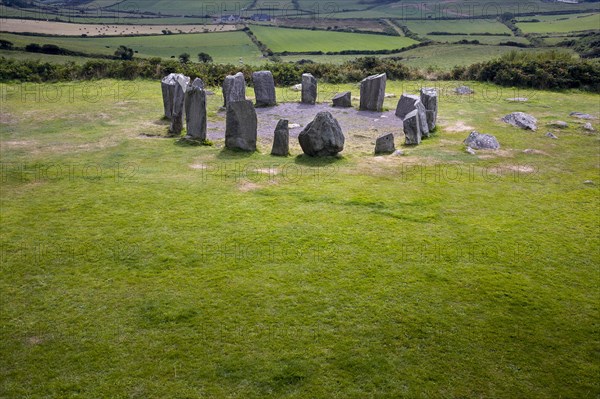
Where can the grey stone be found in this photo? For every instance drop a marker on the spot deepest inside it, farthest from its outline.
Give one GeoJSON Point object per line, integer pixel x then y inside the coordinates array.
{"type": "Point", "coordinates": [195, 111]}
{"type": "Point", "coordinates": [234, 88]}
{"type": "Point", "coordinates": [581, 115]}
{"type": "Point", "coordinates": [372, 92]}
{"type": "Point", "coordinates": [471, 151]}
{"type": "Point", "coordinates": [463, 90]}
{"type": "Point", "coordinates": [322, 137]}
{"type": "Point", "coordinates": [343, 100]}
{"type": "Point", "coordinates": [588, 126]}
{"type": "Point", "coordinates": [518, 99]}
{"type": "Point", "coordinates": [398, 153]}
{"type": "Point", "coordinates": [281, 139]}
{"type": "Point", "coordinates": [241, 126]}
{"type": "Point", "coordinates": [409, 103]}
{"type": "Point", "coordinates": [429, 98]}
{"type": "Point", "coordinates": [309, 89]}
{"type": "Point", "coordinates": [521, 120]}
{"type": "Point", "coordinates": [589, 182]}
{"type": "Point", "coordinates": [480, 141]}
{"type": "Point", "coordinates": [264, 88]}
{"type": "Point", "coordinates": [551, 135]}
{"type": "Point", "coordinates": [297, 87]}
{"type": "Point", "coordinates": [385, 144]}
{"type": "Point", "coordinates": [560, 124]}
{"type": "Point", "coordinates": [178, 104]}
{"type": "Point", "coordinates": [169, 86]}
{"type": "Point", "coordinates": [406, 105]}
{"type": "Point", "coordinates": [412, 128]}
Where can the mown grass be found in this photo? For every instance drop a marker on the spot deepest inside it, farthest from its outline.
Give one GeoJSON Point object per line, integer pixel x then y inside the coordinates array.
{"type": "Point", "coordinates": [282, 39]}
{"type": "Point", "coordinates": [155, 270]}
{"type": "Point", "coordinates": [458, 26]}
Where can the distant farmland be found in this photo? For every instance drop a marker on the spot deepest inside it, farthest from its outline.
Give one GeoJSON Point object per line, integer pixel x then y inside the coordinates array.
{"type": "Point", "coordinates": [225, 47]}
{"type": "Point", "coordinates": [296, 40]}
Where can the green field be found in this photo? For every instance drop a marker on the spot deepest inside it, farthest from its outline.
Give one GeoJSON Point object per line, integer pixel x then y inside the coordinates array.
{"type": "Point", "coordinates": [482, 39]}
{"type": "Point", "coordinates": [24, 55]}
{"type": "Point", "coordinates": [169, 7]}
{"type": "Point", "coordinates": [282, 39]}
{"type": "Point", "coordinates": [561, 24]}
{"type": "Point", "coordinates": [457, 26]}
{"type": "Point", "coordinates": [225, 47]}
{"type": "Point", "coordinates": [137, 268]}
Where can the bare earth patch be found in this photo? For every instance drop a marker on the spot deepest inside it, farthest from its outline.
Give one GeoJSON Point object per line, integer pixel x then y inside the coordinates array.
{"type": "Point", "coordinates": [459, 126]}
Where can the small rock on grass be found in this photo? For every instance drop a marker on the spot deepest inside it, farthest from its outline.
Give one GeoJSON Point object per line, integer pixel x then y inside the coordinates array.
{"type": "Point", "coordinates": [588, 182]}
{"type": "Point", "coordinates": [588, 126]}
{"type": "Point", "coordinates": [470, 151]}
{"type": "Point", "coordinates": [560, 124]}
{"type": "Point", "coordinates": [551, 135]}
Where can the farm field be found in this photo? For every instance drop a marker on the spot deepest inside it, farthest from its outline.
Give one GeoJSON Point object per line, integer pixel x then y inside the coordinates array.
{"type": "Point", "coordinates": [226, 47]}
{"type": "Point", "coordinates": [558, 25]}
{"type": "Point", "coordinates": [59, 59]}
{"type": "Point", "coordinates": [457, 26]}
{"type": "Point", "coordinates": [168, 7]}
{"type": "Point", "coordinates": [195, 273]}
{"type": "Point", "coordinates": [482, 39]}
{"type": "Point", "coordinates": [70, 29]}
{"type": "Point", "coordinates": [282, 39]}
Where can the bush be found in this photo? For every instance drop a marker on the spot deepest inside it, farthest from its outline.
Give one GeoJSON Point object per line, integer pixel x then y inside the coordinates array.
{"type": "Point", "coordinates": [124, 53]}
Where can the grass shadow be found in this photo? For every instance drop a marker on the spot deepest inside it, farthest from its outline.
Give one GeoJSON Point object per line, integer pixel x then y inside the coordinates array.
{"type": "Point", "coordinates": [316, 162]}
{"type": "Point", "coordinates": [227, 153]}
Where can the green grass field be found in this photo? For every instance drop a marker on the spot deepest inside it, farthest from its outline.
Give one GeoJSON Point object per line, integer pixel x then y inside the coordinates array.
{"type": "Point", "coordinates": [134, 267]}
{"type": "Point", "coordinates": [457, 26]}
{"type": "Point", "coordinates": [224, 47]}
{"type": "Point", "coordinates": [282, 39]}
{"type": "Point", "coordinates": [562, 24]}
{"type": "Point", "coordinates": [482, 39]}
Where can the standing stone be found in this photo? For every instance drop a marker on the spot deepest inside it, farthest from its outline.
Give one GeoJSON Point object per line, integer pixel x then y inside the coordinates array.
{"type": "Point", "coordinates": [385, 144]}
{"type": "Point", "coordinates": [322, 137]}
{"type": "Point", "coordinates": [264, 88]}
{"type": "Point", "coordinates": [409, 103]}
{"type": "Point", "coordinates": [406, 105]}
{"type": "Point", "coordinates": [372, 92]}
{"type": "Point", "coordinates": [167, 85]}
{"type": "Point", "coordinates": [195, 111]}
{"type": "Point", "coordinates": [343, 100]}
{"type": "Point", "coordinates": [241, 126]}
{"type": "Point", "coordinates": [234, 88]}
{"type": "Point", "coordinates": [429, 98]}
{"type": "Point", "coordinates": [178, 104]}
{"type": "Point", "coordinates": [281, 140]}
{"type": "Point", "coordinates": [309, 89]}
{"type": "Point", "coordinates": [412, 128]}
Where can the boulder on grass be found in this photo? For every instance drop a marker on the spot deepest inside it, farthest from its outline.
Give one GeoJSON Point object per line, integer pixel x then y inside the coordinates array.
{"type": "Point", "coordinates": [322, 137]}
{"type": "Point", "coordinates": [412, 128]}
{"type": "Point", "coordinates": [480, 141]}
{"type": "Point", "coordinates": [429, 98]}
{"type": "Point", "coordinates": [385, 144]}
{"type": "Point", "coordinates": [521, 120]}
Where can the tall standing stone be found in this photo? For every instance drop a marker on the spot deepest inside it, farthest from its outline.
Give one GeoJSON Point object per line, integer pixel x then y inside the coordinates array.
{"type": "Point", "coordinates": [281, 140]}
{"type": "Point", "coordinates": [412, 128]}
{"type": "Point", "coordinates": [429, 98]}
{"type": "Point", "coordinates": [309, 89]}
{"type": "Point", "coordinates": [178, 104]}
{"type": "Point", "coordinates": [234, 88]}
{"type": "Point", "coordinates": [372, 92]}
{"type": "Point", "coordinates": [264, 88]}
{"type": "Point", "coordinates": [322, 137]}
{"type": "Point", "coordinates": [241, 126]}
{"type": "Point", "coordinates": [168, 86]}
{"type": "Point", "coordinates": [342, 100]}
{"type": "Point", "coordinates": [195, 111]}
